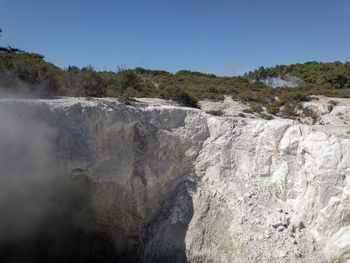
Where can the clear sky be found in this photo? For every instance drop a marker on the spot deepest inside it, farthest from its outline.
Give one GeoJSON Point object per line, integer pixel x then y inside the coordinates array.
{"type": "Point", "coordinates": [222, 37]}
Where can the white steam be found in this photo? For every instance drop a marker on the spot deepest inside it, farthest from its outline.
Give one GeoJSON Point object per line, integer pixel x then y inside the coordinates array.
{"type": "Point", "coordinates": [286, 81]}
{"type": "Point", "coordinates": [27, 165]}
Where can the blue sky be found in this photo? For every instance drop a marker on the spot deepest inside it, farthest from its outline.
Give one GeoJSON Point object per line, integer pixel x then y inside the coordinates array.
{"type": "Point", "coordinates": [221, 37]}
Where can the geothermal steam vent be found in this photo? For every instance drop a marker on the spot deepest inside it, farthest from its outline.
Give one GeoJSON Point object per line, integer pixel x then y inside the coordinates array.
{"type": "Point", "coordinates": [96, 181]}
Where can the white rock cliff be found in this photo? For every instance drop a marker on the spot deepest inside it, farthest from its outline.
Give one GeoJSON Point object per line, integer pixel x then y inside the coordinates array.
{"type": "Point", "coordinates": [174, 184]}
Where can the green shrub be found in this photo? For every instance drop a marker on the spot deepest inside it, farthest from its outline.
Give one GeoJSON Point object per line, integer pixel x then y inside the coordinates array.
{"type": "Point", "coordinates": [273, 109]}
{"type": "Point", "coordinates": [308, 112]}
{"type": "Point", "coordinates": [290, 109]}
{"type": "Point", "coordinates": [128, 79]}
{"type": "Point", "coordinates": [184, 99]}
{"type": "Point", "coordinates": [255, 107]}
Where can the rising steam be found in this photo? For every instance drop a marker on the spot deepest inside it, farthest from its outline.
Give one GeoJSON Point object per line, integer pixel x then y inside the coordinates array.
{"type": "Point", "coordinates": [40, 204]}
{"type": "Point", "coordinates": [286, 81]}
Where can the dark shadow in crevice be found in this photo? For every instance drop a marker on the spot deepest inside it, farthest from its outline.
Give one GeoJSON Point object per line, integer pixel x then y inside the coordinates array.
{"type": "Point", "coordinates": [163, 238]}
{"type": "Point", "coordinates": [59, 236]}
{"type": "Point", "coordinates": [65, 234]}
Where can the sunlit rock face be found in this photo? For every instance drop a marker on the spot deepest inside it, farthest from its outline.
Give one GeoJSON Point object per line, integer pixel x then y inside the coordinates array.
{"type": "Point", "coordinates": [150, 183]}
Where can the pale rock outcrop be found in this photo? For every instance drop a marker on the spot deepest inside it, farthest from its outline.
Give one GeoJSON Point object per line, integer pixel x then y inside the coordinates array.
{"type": "Point", "coordinates": [174, 184]}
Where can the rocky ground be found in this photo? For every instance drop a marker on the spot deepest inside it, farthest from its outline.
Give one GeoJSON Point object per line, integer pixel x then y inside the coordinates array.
{"type": "Point", "coordinates": [174, 184]}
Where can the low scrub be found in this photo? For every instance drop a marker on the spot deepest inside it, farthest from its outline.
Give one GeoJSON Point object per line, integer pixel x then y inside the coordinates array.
{"type": "Point", "coordinates": [23, 69]}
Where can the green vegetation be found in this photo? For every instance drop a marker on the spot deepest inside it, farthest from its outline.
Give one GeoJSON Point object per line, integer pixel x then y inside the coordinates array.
{"type": "Point", "coordinates": [18, 69]}
{"type": "Point", "coordinates": [22, 70]}
{"type": "Point", "coordinates": [334, 74]}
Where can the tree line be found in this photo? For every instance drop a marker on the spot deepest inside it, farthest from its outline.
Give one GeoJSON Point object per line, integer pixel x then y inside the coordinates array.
{"type": "Point", "coordinates": [332, 74]}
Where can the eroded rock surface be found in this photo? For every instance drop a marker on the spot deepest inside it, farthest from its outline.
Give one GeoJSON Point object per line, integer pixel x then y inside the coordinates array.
{"type": "Point", "coordinates": [172, 184]}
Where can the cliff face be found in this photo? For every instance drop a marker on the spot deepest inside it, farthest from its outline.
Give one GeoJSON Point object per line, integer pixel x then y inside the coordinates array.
{"type": "Point", "coordinates": [171, 184]}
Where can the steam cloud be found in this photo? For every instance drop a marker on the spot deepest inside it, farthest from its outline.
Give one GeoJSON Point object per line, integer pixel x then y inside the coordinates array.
{"type": "Point", "coordinates": [27, 166]}
{"type": "Point", "coordinates": [41, 204]}
{"type": "Point", "coordinates": [286, 81]}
